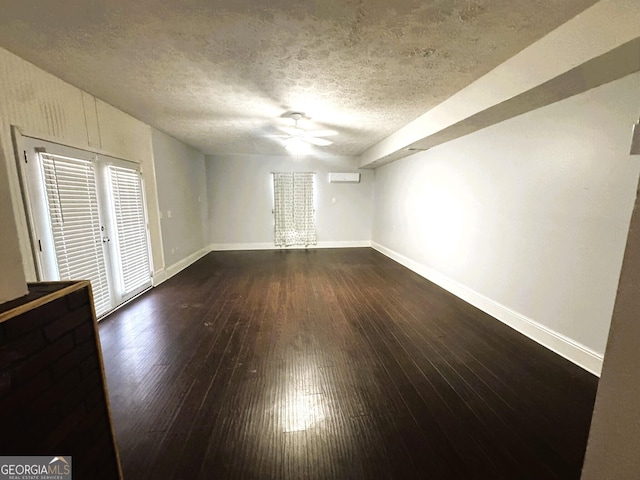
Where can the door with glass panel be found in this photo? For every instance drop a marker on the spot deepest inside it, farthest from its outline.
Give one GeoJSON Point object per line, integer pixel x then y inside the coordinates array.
{"type": "Point", "coordinates": [87, 221]}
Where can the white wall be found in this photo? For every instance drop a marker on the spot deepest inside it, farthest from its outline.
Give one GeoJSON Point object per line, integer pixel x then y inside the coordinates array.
{"type": "Point", "coordinates": [182, 194]}
{"type": "Point", "coordinates": [44, 106]}
{"type": "Point", "coordinates": [241, 199]}
{"type": "Point", "coordinates": [526, 219]}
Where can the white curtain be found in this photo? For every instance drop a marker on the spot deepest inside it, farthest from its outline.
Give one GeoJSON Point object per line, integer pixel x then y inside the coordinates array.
{"type": "Point", "coordinates": [294, 209]}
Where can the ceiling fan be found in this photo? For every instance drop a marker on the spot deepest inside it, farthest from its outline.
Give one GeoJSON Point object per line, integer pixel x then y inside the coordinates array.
{"type": "Point", "coordinates": [298, 140]}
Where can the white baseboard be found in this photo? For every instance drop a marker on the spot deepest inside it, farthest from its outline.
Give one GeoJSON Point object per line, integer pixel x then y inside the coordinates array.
{"type": "Point", "coordinates": [223, 247]}
{"type": "Point", "coordinates": [351, 244]}
{"type": "Point", "coordinates": [185, 262]}
{"type": "Point", "coordinates": [158, 277]}
{"type": "Point", "coordinates": [556, 342]}
{"type": "Point", "coordinates": [219, 247]}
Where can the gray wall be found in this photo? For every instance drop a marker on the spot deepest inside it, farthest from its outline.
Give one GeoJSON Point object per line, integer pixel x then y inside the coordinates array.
{"type": "Point", "coordinates": [526, 219]}
{"type": "Point", "coordinates": [182, 193]}
{"type": "Point", "coordinates": [241, 199]}
{"type": "Point", "coordinates": [614, 439]}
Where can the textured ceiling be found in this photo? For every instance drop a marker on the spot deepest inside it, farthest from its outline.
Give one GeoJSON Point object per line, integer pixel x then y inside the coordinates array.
{"type": "Point", "coordinates": [220, 74]}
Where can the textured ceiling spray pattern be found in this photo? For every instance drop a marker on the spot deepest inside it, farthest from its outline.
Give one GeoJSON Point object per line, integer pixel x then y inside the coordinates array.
{"type": "Point", "coordinates": [220, 75]}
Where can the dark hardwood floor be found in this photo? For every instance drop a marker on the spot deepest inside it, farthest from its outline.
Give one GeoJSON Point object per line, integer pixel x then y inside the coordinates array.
{"type": "Point", "coordinates": [333, 364]}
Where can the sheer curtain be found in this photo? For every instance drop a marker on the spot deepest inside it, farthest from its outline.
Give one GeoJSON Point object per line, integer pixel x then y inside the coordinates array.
{"type": "Point", "coordinates": [294, 209]}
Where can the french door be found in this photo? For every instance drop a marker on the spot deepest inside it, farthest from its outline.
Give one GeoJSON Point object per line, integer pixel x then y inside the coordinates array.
{"type": "Point", "coordinates": [87, 221]}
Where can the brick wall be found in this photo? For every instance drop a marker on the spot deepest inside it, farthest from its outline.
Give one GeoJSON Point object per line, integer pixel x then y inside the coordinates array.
{"type": "Point", "coordinates": [52, 390]}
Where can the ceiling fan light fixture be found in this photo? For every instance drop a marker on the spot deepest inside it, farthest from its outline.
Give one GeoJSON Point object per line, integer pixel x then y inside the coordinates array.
{"type": "Point", "coordinates": [298, 140]}
{"type": "Point", "coordinates": [297, 145]}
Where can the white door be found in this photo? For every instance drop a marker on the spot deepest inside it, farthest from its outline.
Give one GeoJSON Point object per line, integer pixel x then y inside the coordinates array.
{"type": "Point", "coordinates": [87, 221]}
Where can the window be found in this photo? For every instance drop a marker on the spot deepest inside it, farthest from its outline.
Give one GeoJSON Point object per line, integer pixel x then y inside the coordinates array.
{"type": "Point", "coordinates": [294, 212]}
{"type": "Point", "coordinates": [72, 204]}
{"type": "Point", "coordinates": [131, 228]}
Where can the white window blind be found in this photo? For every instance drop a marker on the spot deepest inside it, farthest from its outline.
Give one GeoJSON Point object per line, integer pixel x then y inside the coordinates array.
{"type": "Point", "coordinates": [72, 199]}
{"type": "Point", "coordinates": [131, 228]}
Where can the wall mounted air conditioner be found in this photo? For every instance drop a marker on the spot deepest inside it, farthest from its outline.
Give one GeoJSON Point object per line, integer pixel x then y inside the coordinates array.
{"type": "Point", "coordinates": [344, 177]}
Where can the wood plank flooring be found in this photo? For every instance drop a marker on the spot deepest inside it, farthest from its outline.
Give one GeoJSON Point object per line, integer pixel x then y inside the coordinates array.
{"type": "Point", "coordinates": [333, 364]}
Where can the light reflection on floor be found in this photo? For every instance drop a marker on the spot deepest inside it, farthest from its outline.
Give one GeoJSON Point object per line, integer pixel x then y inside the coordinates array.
{"type": "Point", "coordinates": [303, 411]}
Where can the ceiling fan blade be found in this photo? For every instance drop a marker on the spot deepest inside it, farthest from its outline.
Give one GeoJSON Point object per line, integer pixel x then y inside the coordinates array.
{"type": "Point", "coordinates": [321, 142]}
{"type": "Point", "coordinates": [277, 134]}
{"type": "Point", "coordinates": [291, 131]}
{"type": "Point", "coordinates": [321, 133]}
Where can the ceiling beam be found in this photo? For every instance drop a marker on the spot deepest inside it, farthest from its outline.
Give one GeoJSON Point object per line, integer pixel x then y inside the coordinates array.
{"type": "Point", "coordinates": [597, 46]}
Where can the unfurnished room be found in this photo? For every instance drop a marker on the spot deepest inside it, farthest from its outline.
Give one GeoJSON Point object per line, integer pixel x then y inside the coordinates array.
{"type": "Point", "coordinates": [329, 239]}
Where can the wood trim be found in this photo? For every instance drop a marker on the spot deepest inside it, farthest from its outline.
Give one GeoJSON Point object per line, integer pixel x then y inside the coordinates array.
{"type": "Point", "coordinates": [105, 388]}
{"type": "Point", "coordinates": [50, 297]}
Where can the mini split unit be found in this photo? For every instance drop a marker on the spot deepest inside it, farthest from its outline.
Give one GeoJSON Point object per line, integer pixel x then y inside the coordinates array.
{"type": "Point", "coordinates": [344, 177]}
